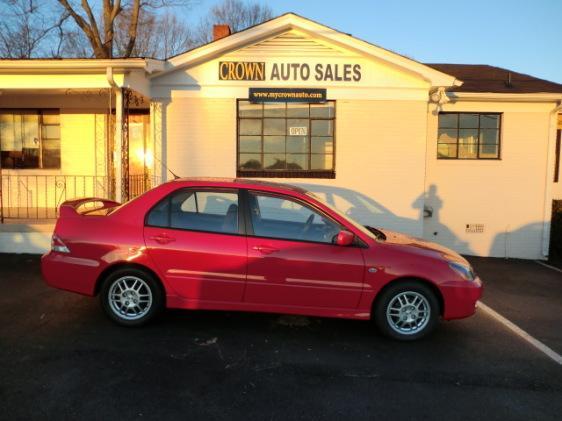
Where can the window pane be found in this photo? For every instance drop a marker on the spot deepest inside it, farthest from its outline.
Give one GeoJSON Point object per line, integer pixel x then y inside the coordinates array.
{"type": "Point", "coordinates": [250, 126]}
{"type": "Point", "coordinates": [30, 131]}
{"type": "Point", "coordinates": [448, 121]}
{"type": "Point", "coordinates": [447, 135]}
{"type": "Point", "coordinates": [468, 121]}
{"type": "Point", "coordinates": [274, 126]}
{"type": "Point", "coordinates": [50, 132]}
{"type": "Point", "coordinates": [297, 127]}
{"type": "Point", "coordinates": [51, 153]}
{"type": "Point", "coordinates": [322, 145]}
{"type": "Point", "coordinates": [447, 150]}
{"type": "Point", "coordinates": [297, 144]}
{"type": "Point", "coordinates": [490, 121]}
{"type": "Point", "coordinates": [322, 128]}
{"type": "Point", "coordinates": [158, 216]}
{"type": "Point", "coordinates": [281, 218]}
{"type": "Point", "coordinates": [250, 144]}
{"type": "Point", "coordinates": [214, 211]}
{"type": "Point", "coordinates": [322, 110]}
{"type": "Point", "coordinates": [297, 162]}
{"type": "Point", "coordinates": [274, 144]}
{"type": "Point", "coordinates": [322, 162]}
{"type": "Point", "coordinates": [274, 161]}
{"type": "Point", "coordinates": [281, 210]}
{"type": "Point", "coordinates": [247, 109]}
{"type": "Point", "coordinates": [489, 136]}
{"type": "Point", "coordinates": [468, 151]}
{"type": "Point", "coordinates": [189, 203]}
{"type": "Point", "coordinates": [468, 136]}
{"type": "Point", "coordinates": [215, 203]}
{"type": "Point", "coordinates": [274, 109]}
{"type": "Point", "coordinates": [250, 161]}
{"type": "Point", "coordinates": [489, 151]}
{"type": "Point", "coordinates": [7, 133]}
{"type": "Point", "coordinates": [297, 110]}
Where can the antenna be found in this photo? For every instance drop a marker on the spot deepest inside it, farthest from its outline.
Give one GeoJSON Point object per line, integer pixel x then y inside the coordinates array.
{"type": "Point", "coordinates": [167, 169]}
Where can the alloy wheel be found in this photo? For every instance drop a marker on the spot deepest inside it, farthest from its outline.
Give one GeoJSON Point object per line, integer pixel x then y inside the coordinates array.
{"type": "Point", "coordinates": [408, 312]}
{"type": "Point", "coordinates": [130, 297]}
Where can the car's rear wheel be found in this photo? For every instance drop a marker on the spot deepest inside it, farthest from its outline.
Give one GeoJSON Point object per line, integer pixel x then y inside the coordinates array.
{"type": "Point", "coordinates": [131, 297]}
{"type": "Point", "coordinates": [407, 311]}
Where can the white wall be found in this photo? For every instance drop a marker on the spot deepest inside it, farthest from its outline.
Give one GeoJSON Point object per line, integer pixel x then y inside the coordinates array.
{"type": "Point", "coordinates": [379, 159]}
{"type": "Point", "coordinates": [506, 195]}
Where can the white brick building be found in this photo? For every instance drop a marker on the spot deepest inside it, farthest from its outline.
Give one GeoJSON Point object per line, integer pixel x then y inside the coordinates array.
{"type": "Point", "coordinates": [462, 155]}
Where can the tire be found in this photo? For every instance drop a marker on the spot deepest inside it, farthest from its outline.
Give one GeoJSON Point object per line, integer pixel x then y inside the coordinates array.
{"type": "Point", "coordinates": [401, 311]}
{"type": "Point", "coordinates": [131, 297]}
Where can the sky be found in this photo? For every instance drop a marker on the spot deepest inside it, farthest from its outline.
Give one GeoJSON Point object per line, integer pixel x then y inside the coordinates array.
{"type": "Point", "coordinates": [521, 35]}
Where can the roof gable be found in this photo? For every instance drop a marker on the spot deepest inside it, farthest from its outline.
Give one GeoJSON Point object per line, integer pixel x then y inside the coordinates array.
{"type": "Point", "coordinates": [291, 28]}
{"type": "Point", "coordinates": [286, 43]}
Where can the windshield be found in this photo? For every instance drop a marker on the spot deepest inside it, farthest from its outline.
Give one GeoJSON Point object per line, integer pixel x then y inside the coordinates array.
{"type": "Point", "coordinates": [356, 224]}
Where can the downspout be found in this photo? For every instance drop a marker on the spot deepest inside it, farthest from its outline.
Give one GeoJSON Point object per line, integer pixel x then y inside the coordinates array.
{"type": "Point", "coordinates": [549, 181]}
{"type": "Point", "coordinates": [117, 153]}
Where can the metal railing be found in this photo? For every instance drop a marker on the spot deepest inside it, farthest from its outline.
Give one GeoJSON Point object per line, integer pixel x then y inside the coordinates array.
{"type": "Point", "coordinates": [140, 183]}
{"type": "Point", "coordinates": [39, 196]}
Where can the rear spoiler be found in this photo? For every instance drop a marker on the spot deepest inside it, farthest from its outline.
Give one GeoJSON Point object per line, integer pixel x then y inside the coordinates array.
{"type": "Point", "coordinates": [69, 208]}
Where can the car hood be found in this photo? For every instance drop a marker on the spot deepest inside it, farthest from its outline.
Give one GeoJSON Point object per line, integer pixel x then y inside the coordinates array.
{"type": "Point", "coordinates": [420, 245]}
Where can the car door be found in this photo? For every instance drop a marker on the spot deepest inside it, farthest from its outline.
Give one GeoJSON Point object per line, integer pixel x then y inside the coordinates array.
{"type": "Point", "coordinates": [197, 241]}
{"type": "Point", "coordinates": [292, 260]}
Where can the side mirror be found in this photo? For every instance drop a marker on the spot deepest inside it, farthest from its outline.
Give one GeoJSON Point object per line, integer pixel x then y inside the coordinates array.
{"type": "Point", "coordinates": [344, 238]}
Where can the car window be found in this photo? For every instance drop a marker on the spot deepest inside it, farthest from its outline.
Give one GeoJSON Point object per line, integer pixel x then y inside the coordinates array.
{"type": "Point", "coordinates": [284, 218]}
{"type": "Point", "coordinates": [214, 211]}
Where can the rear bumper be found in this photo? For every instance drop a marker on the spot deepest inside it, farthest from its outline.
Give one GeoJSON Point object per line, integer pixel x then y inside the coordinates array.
{"type": "Point", "coordinates": [461, 298]}
{"type": "Point", "coordinates": [70, 273]}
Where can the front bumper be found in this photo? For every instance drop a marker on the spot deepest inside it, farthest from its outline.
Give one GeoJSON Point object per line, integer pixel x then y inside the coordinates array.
{"type": "Point", "coordinates": [461, 298]}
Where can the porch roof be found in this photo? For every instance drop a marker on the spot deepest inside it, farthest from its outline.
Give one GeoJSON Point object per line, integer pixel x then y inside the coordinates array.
{"type": "Point", "coordinates": [43, 74]}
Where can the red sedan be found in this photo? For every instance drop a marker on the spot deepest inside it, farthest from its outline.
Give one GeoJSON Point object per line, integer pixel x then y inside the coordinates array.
{"type": "Point", "coordinates": [253, 246]}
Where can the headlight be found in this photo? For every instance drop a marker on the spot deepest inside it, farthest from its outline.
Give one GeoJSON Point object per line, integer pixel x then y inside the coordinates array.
{"type": "Point", "coordinates": [463, 270]}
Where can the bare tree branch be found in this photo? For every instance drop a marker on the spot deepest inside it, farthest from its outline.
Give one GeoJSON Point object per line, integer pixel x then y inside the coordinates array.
{"type": "Point", "coordinates": [133, 25]}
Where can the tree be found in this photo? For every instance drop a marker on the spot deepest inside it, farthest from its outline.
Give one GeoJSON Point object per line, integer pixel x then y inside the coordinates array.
{"type": "Point", "coordinates": [101, 35]}
{"type": "Point", "coordinates": [237, 14]}
{"type": "Point", "coordinates": [160, 36]}
{"type": "Point", "coordinates": [113, 28]}
{"type": "Point", "coordinates": [26, 25]}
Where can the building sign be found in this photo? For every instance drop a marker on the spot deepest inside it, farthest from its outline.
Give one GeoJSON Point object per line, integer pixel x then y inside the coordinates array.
{"type": "Point", "coordinates": [298, 131]}
{"type": "Point", "coordinates": [286, 95]}
{"type": "Point", "coordinates": [241, 70]}
{"type": "Point", "coordinates": [301, 72]}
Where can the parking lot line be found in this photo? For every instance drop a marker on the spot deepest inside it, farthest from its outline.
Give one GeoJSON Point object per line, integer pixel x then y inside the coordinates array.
{"type": "Point", "coordinates": [553, 355]}
{"type": "Point", "coordinates": [548, 266]}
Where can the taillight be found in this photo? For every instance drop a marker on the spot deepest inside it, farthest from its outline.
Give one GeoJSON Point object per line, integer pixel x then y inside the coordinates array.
{"type": "Point", "coordinates": [58, 245]}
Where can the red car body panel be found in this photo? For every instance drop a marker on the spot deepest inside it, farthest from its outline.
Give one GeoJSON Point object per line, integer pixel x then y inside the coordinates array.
{"type": "Point", "coordinates": [202, 270]}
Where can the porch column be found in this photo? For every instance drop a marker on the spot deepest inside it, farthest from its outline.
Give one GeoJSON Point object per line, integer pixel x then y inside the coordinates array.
{"type": "Point", "coordinates": [118, 141]}
{"type": "Point", "coordinates": [156, 129]}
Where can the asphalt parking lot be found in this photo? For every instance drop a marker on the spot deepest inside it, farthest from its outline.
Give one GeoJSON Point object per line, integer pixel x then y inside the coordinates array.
{"type": "Point", "coordinates": [61, 358]}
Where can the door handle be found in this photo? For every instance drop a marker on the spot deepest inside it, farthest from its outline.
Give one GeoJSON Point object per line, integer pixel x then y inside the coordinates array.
{"type": "Point", "coordinates": [162, 239]}
{"type": "Point", "coordinates": [265, 249]}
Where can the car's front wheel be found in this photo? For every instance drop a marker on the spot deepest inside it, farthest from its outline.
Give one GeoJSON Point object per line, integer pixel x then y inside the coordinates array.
{"type": "Point", "coordinates": [131, 297]}
{"type": "Point", "coordinates": [407, 311]}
